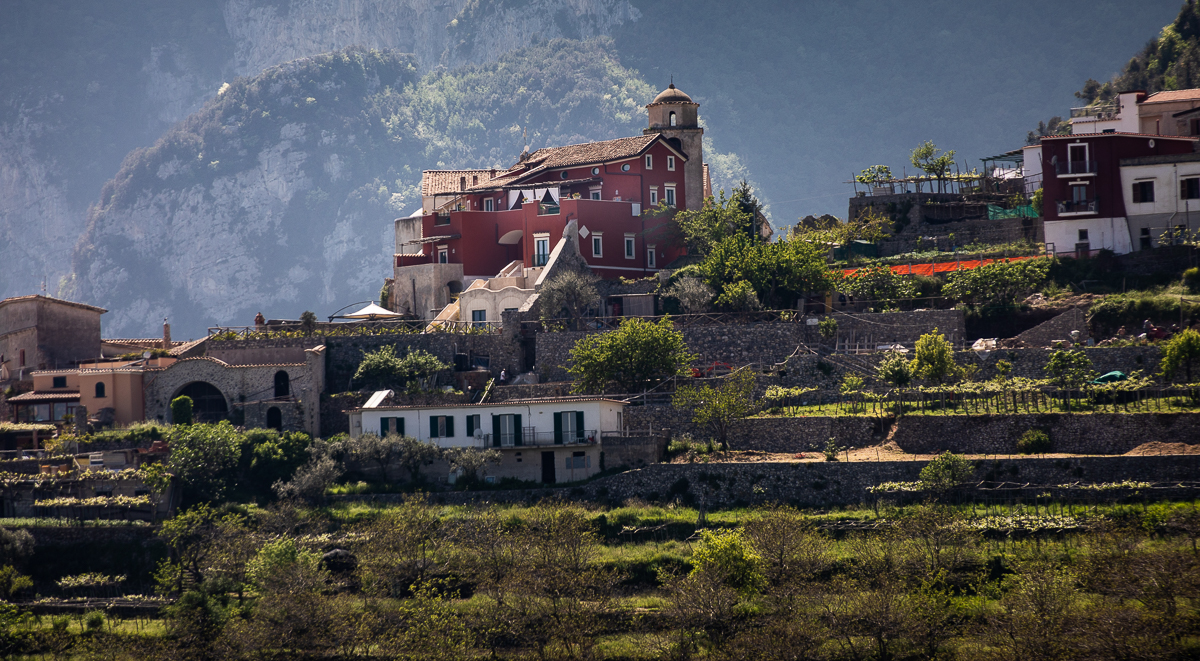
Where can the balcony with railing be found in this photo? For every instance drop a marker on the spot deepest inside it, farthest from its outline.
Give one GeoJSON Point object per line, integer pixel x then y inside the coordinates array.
{"type": "Point", "coordinates": [1077, 206]}
{"type": "Point", "coordinates": [1100, 111]}
{"type": "Point", "coordinates": [540, 259]}
{"type": "Point", "coordinates": [1074, 168]}
{"type": "Point", "coordinates": [530, 437]}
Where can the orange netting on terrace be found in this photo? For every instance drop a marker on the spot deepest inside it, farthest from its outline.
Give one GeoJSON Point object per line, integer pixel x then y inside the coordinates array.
{"type": "Point", "coordinates": [945, 267]}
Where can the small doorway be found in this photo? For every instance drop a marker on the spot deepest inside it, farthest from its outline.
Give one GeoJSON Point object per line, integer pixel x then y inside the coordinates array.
{"type": "Point", "coordinates": [283, 387]}
{"type": "Point", "coordinates": [548, 468]}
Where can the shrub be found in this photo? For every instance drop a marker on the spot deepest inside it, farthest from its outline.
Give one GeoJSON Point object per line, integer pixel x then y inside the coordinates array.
{"type": "Point", "coordinates": [831, 449]}
{"type": "Point", "coordinates": [1191, 279]}
{"type": "Point", "coordinates": [729, 555]}
{"type": "Point", "coordinates": [1034, 441]}
{"type": "Point", "coordinates": [181, 410]}
{"type": "Point", "coordinates": [945, 472]}
{"type": "Point", "coordinates": [828, 328]}
{"type": "Point", "coordinates": [93, 620]}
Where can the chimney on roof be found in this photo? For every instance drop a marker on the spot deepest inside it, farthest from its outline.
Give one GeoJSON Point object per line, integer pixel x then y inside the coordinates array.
{"type": "Point", "coordinates": [166, 335]}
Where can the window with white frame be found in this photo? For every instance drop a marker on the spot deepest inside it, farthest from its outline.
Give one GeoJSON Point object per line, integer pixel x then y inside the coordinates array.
{"type": "Point", "coordinates": [629, 246]}
{"type": "Point", "coordinates": [487, 204]}
{"type": "Point", "coordinates": [671, 163]}
{"type": "Point", "coordinates": [541, 249]}
{"type": "Point", "coordinates": [478, 316]}
{"type": "Point", "coordinates": [650, 262]}
{"type": "Point", "coordinates": [441, 426]}
{"type": "Point", "coordinates": [597, 244]}
{"type": "Point", "coordinates": [654, 196]}
{"type": "Point", "coordinates": [649, 162]}
{"type": "Point", "coordinates": [670, 198]}
{"type": "Point", "coordinates": [594, 192]}
{"type": "Point", "coordinates": [443, 255]}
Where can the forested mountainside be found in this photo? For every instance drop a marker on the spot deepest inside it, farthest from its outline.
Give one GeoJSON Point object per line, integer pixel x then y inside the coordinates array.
{"type": "Point", "coordinates": [1171, 61]}
{"type": "Point", "coordinates": [84, 83]}
{"type": "Point", "coordinates": [279, 194]}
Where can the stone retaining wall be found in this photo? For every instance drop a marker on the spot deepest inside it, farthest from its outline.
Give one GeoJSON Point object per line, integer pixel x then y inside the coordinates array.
{"type": "Point", "coordinates": [1057, 328]}
{"type": "Point", "coordinates": [819, 484]}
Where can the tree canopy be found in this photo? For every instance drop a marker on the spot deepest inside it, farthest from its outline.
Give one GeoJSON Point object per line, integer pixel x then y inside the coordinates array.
{"type": "Point", "coordinates": [718, 407]}
{"type": "Point", "coordinates": [998, 283]}
{"type": "Point", "coordinates": [778, 272]}
{"type": "Point", "coordinates": [934, 359]}
{"type": "Point", "coordinates": [382, 368]}
{"type": "Point", "coordinates": [1182, 352]}
{"type": "Point", "coordinates": [636, 356]}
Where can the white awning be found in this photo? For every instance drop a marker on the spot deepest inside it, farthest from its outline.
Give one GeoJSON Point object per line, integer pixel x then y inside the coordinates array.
{"type": "Point", "coordinates": [372, 311]}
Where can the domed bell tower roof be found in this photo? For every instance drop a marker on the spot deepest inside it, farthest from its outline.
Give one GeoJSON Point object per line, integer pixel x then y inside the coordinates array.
{"type": "Point", "coordinates": [671, 95]}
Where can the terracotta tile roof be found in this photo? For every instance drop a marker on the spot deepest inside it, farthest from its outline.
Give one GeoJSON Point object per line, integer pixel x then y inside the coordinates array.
{"type": "Point", "coordinates": [42, 396]}
{"type": "Point", "coordinates": [591, 152]}
{"type": "Point", "coordinates": [1109, 135]}
{"type": "Point", "coordinates": [440, 182]}
{"type": "Point", "coordinates": [512, 402]}
{"type": "Point", "coordinates": [32, 297]}
{"type": "Point", "coordinates": [1173, 95]}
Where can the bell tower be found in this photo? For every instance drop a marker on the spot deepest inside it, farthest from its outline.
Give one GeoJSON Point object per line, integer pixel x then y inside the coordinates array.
{"type": "Point", "coordinates": [674, 115]}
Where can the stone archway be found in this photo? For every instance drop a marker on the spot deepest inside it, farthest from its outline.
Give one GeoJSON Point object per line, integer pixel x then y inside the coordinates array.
{"type": "Point", "coordinates": [208, 404]}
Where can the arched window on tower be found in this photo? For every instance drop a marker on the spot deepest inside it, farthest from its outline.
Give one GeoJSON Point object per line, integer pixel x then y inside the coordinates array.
{"type": "Point", "coordinates": [671, 119]}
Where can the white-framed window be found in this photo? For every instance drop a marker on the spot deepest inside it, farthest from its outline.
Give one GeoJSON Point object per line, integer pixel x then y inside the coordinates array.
{"type": "Point", "coordinates": [630, 248]}
{"type": "Point", "coordinates": [649, 162]}
{"type": "Point", "coordinates": [478, 316]}
{"type": "Point", "coordinates": [541, 249]}
{"type": "Point", "coordinates": [650, 262]}
{"type": "Point", "coordinates": [671, 163]}
{"type": "Point", "coordinates": [595, 195]}
{"type": "Point", "coordinates": [441, 426]}
{"type": "Point", "coordinates": [487, 204]}
{"type": "Point", "coordinates": [671, 117]}
{"type": "Point", "coordinates": [443, 255]}
{"type": "Point", "coordinates": [654, 196]}
{"type": "Point", "coordinates": [597, 244]}
{"type": "Point", "coordinates": [1189, 188]}
{"type": "Point", "coordinates": [670, 197]}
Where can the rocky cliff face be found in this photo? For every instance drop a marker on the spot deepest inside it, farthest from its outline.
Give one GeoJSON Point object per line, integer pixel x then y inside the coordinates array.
{"type": "Point", "coordinates": [62, 137]}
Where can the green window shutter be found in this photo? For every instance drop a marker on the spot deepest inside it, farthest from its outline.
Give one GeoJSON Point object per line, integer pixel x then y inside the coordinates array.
{"type": "Point", "coordinates": [495, 431]}
{"type": "Point", "coordinates": [449, 426]}
{"type": "Point", "coordinates": [579, 425]}
{"type": "Point", "coordinates": [558, 439]}
{"type": "Point", "coordinates": [433, 426]}
{"type": "Point", "coordinates": [399, 425]}
{"type": "Point", "coordinates": [517, 431]}
{"type": "Point", "coordinates": [383, 427]}
{"type": "Point", "coordinates": [470, 426]}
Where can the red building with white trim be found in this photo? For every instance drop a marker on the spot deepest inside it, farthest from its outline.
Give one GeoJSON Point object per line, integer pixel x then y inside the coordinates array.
{"type": "Point", "coordinates": [477, 223]}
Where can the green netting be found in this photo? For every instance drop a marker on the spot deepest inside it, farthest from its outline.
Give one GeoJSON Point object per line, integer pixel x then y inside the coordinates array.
{"type": "Point", "coordinates": [996, 213]}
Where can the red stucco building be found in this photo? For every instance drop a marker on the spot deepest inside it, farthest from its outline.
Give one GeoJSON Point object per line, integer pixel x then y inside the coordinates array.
{"type": "Point", "coordinates": [477, 223]}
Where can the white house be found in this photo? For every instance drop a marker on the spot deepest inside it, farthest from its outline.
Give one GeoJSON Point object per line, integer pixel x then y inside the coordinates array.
{"type": "Point", "coordinates": [1162, 193]}
{"type": "Point", "coordinates": [548, 440]}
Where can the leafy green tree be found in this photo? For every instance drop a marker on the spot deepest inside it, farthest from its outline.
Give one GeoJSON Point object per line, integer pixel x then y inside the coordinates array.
{"type": "Point", "coordinates": [779, 271]}
{"type": "Point", "coordinates": [719, 219]}
{"type": "Point", "coordinates": [268, 456]}
{"type": "Point", "coordinates": [573, 291]}
{"type": "Point", "coordinates": [308, 322]}
{"type": "Point", "coordinates": [203, 458]}
{"type": "Point", "coordinates": [751, 209]}
{"type": "Point", "coordinates": [828, 328]}
{"type": "Point", "coordinates": [739, 297]}
{"type": "Point", "coordinates": [412, 453]}
{"type": "Point", "coordinates": [874, 175]}
{"type": "Point", "coordinates": [470, 461]}
{"type": "Point", "coordinates": [894, 369]}
{"type": "Point", "coordinates": [731, 556]}
{"type": "Point", "coordinates": [1182, 352]}
{"type": "Point", "coordinates": [1071, 368]}
{"type": "Point", "coordinates": [932, 161]}
{"type": "Point", "coordinates": [693, 295]}
{"type": "Point", "coordinates": [636, 356]}
{"type": "Point", "coordinates": [382, 368]}
{"type": "Point", "coordinates": [934, 358]}
{"type": "Point", "coordinates": [181, 410]}
{"type": "Point", "coordinates": [945, 472]}
{"type": "Point", "coordinates": [718, 408]}
{"type": "Point", "coordinates": [877, 283]}
{"type": "Point", "coordinates": [998, 283]}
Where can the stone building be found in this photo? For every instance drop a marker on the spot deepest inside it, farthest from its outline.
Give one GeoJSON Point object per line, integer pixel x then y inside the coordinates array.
{"type": "Point", "coordinates": [39, 332]}
{"type": "Point", "coordinates": [284, 396]}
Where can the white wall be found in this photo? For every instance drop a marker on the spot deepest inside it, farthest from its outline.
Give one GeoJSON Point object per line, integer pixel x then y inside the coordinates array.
{"type": "Point", "coordinates": [1166, 178]}
{"type": "Point", "coordinates": [602, 416]}
{"type": "Point", "coordinates": [1110, 233]}
{"type": "Point", "coordinates": [1032, 169]}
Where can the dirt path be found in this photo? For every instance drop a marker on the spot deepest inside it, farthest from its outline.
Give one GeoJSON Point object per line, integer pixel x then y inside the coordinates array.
{"type": "Point", "coordinates": [889, 451]}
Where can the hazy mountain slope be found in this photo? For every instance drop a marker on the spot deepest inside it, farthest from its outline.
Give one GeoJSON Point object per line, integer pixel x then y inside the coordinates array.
{"type": "Point", "coordinates": [83, 83]}
{"type": "Point", "coordinates": [278, 195]}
